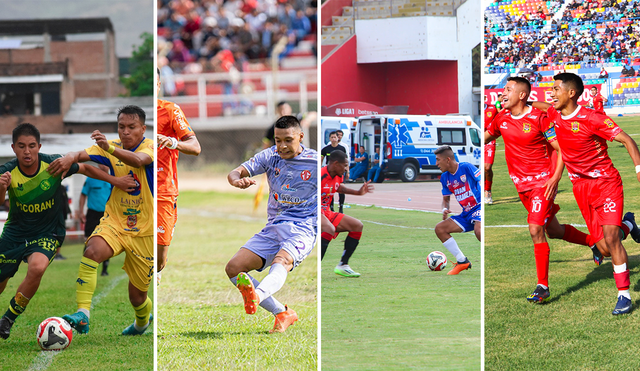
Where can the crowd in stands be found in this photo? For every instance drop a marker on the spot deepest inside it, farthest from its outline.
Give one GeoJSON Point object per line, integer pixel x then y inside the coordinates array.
{"type": "Point", "coordinates": [589, 31]}
{"type": "Point", "coordinates": [225, 35]}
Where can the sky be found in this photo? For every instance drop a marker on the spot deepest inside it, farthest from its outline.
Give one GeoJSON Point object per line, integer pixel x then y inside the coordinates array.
{"type": "Point", "coordinates": [130, 18]}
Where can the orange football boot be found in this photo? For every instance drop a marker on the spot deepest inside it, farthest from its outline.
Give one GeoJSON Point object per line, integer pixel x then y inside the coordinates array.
{"type": "Point", "coordinates": [249, 295]}
{"type": "Point", "coordinates": [459, 267]}
{"type": "Point", "coordinates": [284, 320]}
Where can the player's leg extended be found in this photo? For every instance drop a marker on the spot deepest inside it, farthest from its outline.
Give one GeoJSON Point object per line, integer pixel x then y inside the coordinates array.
{"type": "Point", "coordinates": [341, 198]}
{"type": "Point", "coordinates": [3, 285]}
{"type": "Point", "coordinates": [328, 231]}
{"type": "Point", "coordinates": [142, 306]}
{"type": "Point", "coordinates": [620, 271]}
{"type": "Point", "coordinates": [98, 250]}
{"type": "Point", "coordinates": [38, 263]}
{"type": "Point", "coordinates": [569, 233]}
{"type": "Point", "coordinates": [443, 231]}
{"type": "Point", "coordinates": [167, 215]}
{"type": "Point", "coordinates": [354, 227]}
{"type": "Point", "coordinates": [488, 182]}
{"type": "Point", "coordinates": [541, 252]}
{"type": "Point", "coordinates": [138, 263]}
{"type": "Point", "coordinates": [163, 253]}
{"type": "Point", "coordinates": [242, 262]}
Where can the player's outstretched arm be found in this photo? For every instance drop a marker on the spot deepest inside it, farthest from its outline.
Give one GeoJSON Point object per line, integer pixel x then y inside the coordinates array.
{"type": "Point", "coordinates": [632, 148]}
{"type": "Point", "coordinates": [5, 182]}
{"type": "Point", "coordinates": [488, 137]}
{"type": "Point", "coordinates": [366, 188]}
{"type": "Point", "coordinates": [239, 178]}
{"type": "Point", "coordinates": [551, 185]}
{"type": "Point", "coordinates": [543, 106]}
{"type": "Point", "coordinates": [135, 159]}
{"type": "Point", "coordinates": [125, 183]}
{"type": "Point", "coordinates": [61, 166]}
{"type": "Point", "coordinates": [446, 201]}
{"type": "Point", "coordinates": [188, 145]}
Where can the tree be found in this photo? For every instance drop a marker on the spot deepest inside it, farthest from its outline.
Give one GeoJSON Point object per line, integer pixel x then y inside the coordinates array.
{"type": "Point", "coordinates": [140, 82]}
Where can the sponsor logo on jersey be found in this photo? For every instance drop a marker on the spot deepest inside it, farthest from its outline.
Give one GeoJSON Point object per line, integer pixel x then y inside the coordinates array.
{"type": "Point", "coordinates": [575, 126]}
{"type": "Point", "coordinates": [20, 187]}
{"type": "Point", "coordinates": [533, 117]}
{"type": "Point", "coordinates": [160, 229]}
{"type": "Point", "coordinates": [287, 188]}
{"type": "Point", "coordinates": [287, 199]}
{"type": "Point", "coordinates": [503, 125]}
{"type": "Point", "coordinates": [609, 123]}
{"type": "Point", "coordinates": [45, 185]}
{"type": "Point", "coordinates": [305, 175]}
{"type": "Point", "coordinates": [4, 260]}
{"type": "Point", "coordinates": [35, 208]}
{"type": "Point", "coordinates": [526, 127]}
{"type": "Point", "coordinates": [582, 116]}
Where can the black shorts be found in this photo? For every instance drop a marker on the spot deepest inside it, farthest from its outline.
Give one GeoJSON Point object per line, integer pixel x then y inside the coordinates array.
{"type": "Point", "coordinates": [13, 253]}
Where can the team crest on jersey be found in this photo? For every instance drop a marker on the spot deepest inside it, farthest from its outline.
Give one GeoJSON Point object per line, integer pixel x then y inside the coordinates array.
{"type": "Point", "coordinates": [575, 126]}
{"type": "Point", "coordinates": [463, 178]}
{"type": "Point", "coordinates": [276, 171]}
{"type": "Point", "coordinates": [305, 175]}
{"type": "Point", "coordinates": [489, 114]}
{"type": "Point", "coordinates": [45, 185]}
{"type": "Point", "coordinates": [132, 220]}
{"type": "Point", "coordinates": [526, 127]}
{"type": "Point", "coordinates": [20, 187]}
{"type": "Point", "coordinates": [609, 123]}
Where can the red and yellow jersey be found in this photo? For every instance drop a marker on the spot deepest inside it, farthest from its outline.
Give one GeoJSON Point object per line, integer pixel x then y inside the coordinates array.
{"type": "Point", "coordinates": [171, 123]}
{"type": "Point", "coordinates": [129, 212]}
{"type": "Point", "coordinates": [598, 103]}
{"type": "Point", "coordinates": [329, 186]}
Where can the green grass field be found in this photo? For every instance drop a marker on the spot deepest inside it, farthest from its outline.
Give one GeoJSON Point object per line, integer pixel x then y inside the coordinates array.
{"type": "Point", "coordinates": [103, 348]}
{"type": "Point", "coordinates": [202, 324]}
{"type": "Point", "coordinates": [575, 329]}
{"type": "Point", "coordinates": [399, 315]}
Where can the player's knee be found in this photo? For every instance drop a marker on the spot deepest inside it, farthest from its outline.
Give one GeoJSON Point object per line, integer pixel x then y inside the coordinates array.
{"type": "Point", "coordinates": [232, 269]}
{"type": "Point", "coordinates": [487, 166]}
{"type": "Point", "coordinates": [358, 226]}
{"type": "Point", "coordinates": [536, 231]}
{"type": "Point", "coordinates": [284, 261]}
{"type": "Point", "coordinates": [37, 268]}
{"type": "Point", "coordinates": [441, 229]}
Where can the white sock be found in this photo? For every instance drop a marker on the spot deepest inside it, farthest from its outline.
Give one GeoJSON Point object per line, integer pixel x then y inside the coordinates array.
{"type": "Point", "coordinates": [272, 282]}
{"type": "Point", "coordinates": [628, 224]}
{"type": "Point", "coordinates": [620, 268]}
{"type": "Point", "coordinates": [543, 286]}
{"type": "Point", "coordinates": [141, 328]}
{"type": "Point", "coordinates": [453, 248]}
{"type": "Point", "coordinates": [270, 304]}
{"type": "Point", "coordinates": [624, 293]}
{"type": "Point", "coordinates": [84, 311]}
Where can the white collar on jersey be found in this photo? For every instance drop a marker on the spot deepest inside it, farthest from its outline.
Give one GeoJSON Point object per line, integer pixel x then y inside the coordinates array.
{"type": "Point", "coordinates": [572, 114]}
{"type": "Point", "coordinates": [526, 112]}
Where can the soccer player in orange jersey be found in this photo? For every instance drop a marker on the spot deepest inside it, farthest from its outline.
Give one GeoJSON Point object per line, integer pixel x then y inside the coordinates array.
{"type": "Point", "coordinates": [174, 136]}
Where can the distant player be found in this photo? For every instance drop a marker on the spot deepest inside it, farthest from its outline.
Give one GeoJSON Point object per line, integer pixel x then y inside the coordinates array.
{"type": "Point", "coordinates": [462, 180]}
{"type": "Point", "coordinates": [174, 136]}
{"type": "Point", "coordinates": [35, 226]}
{"type": "Point", "coordinates": [331, 182]}
{"type": "Point", "coordinates": [490, 112]}
{"type": "Point", "coordinates": [528, 141]}
{"type": "Point", "coordinates": [290, 233]}
{"type": "Point", "coordinates": [597, 100]}
{"type": "Point", "coordinates": [334, 145]}
{"type": "Point", "coordinates": [597, 186]}
{"type": "Point", "coordinates": [128, 222]}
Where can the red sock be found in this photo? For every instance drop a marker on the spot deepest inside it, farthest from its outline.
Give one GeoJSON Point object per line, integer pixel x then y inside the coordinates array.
{"type": "Point", "coordinates": [541, 251]}
{"type": "Point", "coordinates": [326, 236]}
{"type": "Point", "coordinates": [487, 185]}
{"type": "Point", "coordinates": [625, 230]}
{"type": "Point", "coordinates": [355, 235]}
{"type": "Point", "coordinates": [571, 234]}
{"type": "Point", "coordinates": [622, 280]}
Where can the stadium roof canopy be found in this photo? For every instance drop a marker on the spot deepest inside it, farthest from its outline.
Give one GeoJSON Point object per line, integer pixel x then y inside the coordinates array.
{"type": "Point", "coordinates": [62, 26]}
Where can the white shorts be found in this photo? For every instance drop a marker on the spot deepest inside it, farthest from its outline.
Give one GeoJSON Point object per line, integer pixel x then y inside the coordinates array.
{"type": "Point", "coordinates": [297, 239]}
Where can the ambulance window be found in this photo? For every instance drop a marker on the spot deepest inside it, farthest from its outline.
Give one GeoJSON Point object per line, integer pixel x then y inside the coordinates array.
{"type": "Point", "coordinates": [452, 137]}
{"type": "Point", "coordinates": [475, 137]}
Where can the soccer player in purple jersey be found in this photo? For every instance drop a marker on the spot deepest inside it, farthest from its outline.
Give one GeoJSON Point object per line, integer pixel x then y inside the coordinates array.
{"type": "Point", "coordinates": [290, 233]}
{"type": "Point", "coordinates": [463, 181]}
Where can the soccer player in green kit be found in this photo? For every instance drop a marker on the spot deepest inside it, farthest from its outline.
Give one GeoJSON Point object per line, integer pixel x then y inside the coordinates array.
{"type": "Point", "coordinates": [35, 226]}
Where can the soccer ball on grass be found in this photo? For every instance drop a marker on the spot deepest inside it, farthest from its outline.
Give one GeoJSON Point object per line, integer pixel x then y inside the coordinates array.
{"type": "Point", "coordinates": [436, 261]}
{"type": "Point", "coordinates": [54, 333]}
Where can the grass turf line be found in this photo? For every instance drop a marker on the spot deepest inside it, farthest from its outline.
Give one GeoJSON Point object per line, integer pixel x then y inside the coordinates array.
{"type": "Point", "coordinates": [103, 348]}
{"type": "Point", "coordinates": [399, 314]}
{"type": "Point", "coordinates": [201, 319]}
{"type": "Point", "coordinates": [575, 330]}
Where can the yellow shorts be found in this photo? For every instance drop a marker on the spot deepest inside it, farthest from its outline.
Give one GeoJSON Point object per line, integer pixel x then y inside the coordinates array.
{"type": "Point", "coordinates": [138, 262]}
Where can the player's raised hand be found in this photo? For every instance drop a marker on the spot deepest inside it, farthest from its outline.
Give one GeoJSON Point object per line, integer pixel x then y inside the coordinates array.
{"type": "Point", "coordinates": [100, 139]}
{"type": "Point", "coordinates": [126, 183]}
{"type": "Point", "coordinates": [366, 188]}
{"type": "Point", "coordinates": [445, 213]}
{"type": "Point", "coordinates": [243, 183]}
{"type": "Point", "coordinates": [5, 180]}
{"type": "Point", "coordinates": [163, 141]}
{"type": "Point", "coordinates": [60, 166]}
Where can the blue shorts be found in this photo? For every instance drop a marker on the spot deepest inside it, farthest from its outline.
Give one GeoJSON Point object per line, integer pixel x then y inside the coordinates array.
{"type": "Point", "coordinates": [297, 239]}
{"type": "Point", "coordinates": [466, 219]}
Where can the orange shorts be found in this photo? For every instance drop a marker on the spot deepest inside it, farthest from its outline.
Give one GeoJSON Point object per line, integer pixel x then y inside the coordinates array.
{"type": "Point", "coordinates": [167, 218]}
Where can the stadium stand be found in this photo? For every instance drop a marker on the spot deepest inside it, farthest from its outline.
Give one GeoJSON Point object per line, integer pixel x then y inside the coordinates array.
{"type": "Point", "coordinates": [596, 39]}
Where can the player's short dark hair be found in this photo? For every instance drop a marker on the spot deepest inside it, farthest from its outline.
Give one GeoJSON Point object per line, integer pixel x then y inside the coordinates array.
{"type": "Point", "coordinates": [571, 81]}
{"type": "Point", "coordinates": [286, 122]}
{"type": "Point", "coordinates": [281, 103]}
{"type": "Point", "coordinates": [333, 133]}
{"type": "Point", "coordinates": [594, 87]}
{"type": "Point", "coordinates": [25, 129]}
{"type": "Point", "coordinates": [337, 156]}
{"type": "Point", "coordinates": [339, 131]}
{"type": "Point", "coordinates": [445, 150]}
{"type": "Point", "coordinates": [134, 111]}
{"type": "Point", "coordinates": [522, 81]}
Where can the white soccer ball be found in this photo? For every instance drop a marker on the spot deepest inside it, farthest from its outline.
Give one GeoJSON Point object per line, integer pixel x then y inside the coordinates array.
{"type": "Point", "coordinates": [436, 261]}
{"type": "Point", "coordinates": [54, 333]}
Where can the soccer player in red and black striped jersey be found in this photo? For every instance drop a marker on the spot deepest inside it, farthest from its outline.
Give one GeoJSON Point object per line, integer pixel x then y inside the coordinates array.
{"type": "Point", "coordinates": [597, 186]}
{"type": "Point", "coordinates": [331, 182]}
{"type": "Point", "coordinates": [535, 173]}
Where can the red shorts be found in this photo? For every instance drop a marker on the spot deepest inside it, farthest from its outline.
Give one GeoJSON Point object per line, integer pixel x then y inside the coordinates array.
{"type": "Point", "coordinates": [540, 209]}
{"type": "Point", "coordinates": [167, 218]}
{"type": "Point", "coordinates": [489, 152]}
{"type": "Point", "coordinates": [601, 202]}
{"type": "Point", "coordinates": [334, 218]}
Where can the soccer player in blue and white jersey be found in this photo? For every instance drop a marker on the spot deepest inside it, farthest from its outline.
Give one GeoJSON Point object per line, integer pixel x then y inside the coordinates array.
{"type": "Point", "coordinates": [462, 180]}
{"type": "Point", "coordinates": [290, 233]}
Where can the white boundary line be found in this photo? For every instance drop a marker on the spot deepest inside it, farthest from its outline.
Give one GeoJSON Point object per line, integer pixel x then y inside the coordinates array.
{"type": "Point", "coordinates": [527, 226]}
{"type": "Point", "coordinates": [44, 358]}
{"type": "Point", "coordinates": [396, 226]}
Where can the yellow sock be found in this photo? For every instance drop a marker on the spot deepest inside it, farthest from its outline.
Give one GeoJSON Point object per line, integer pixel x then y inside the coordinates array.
{"type": "Point", "coordinates": [143, 312]}
{"type": "Point", "coordinates": [86, 282]}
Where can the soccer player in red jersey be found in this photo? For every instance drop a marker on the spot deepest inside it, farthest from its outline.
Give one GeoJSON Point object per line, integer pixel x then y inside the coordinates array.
{"type": "Point", "coordinates": [597, 186]}
{"type": "Point", "coordinates": [598, 100]}
{"type": "Point", "coordinates": [490, 113]}
{"type": "Point", "coordinates": [331, 182]}
{"type": "Point", "coordinates": [528, 146]}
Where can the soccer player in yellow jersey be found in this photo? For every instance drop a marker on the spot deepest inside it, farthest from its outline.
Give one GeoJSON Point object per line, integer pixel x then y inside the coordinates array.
{"type": "Point", "coordinates": [128, 222]}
